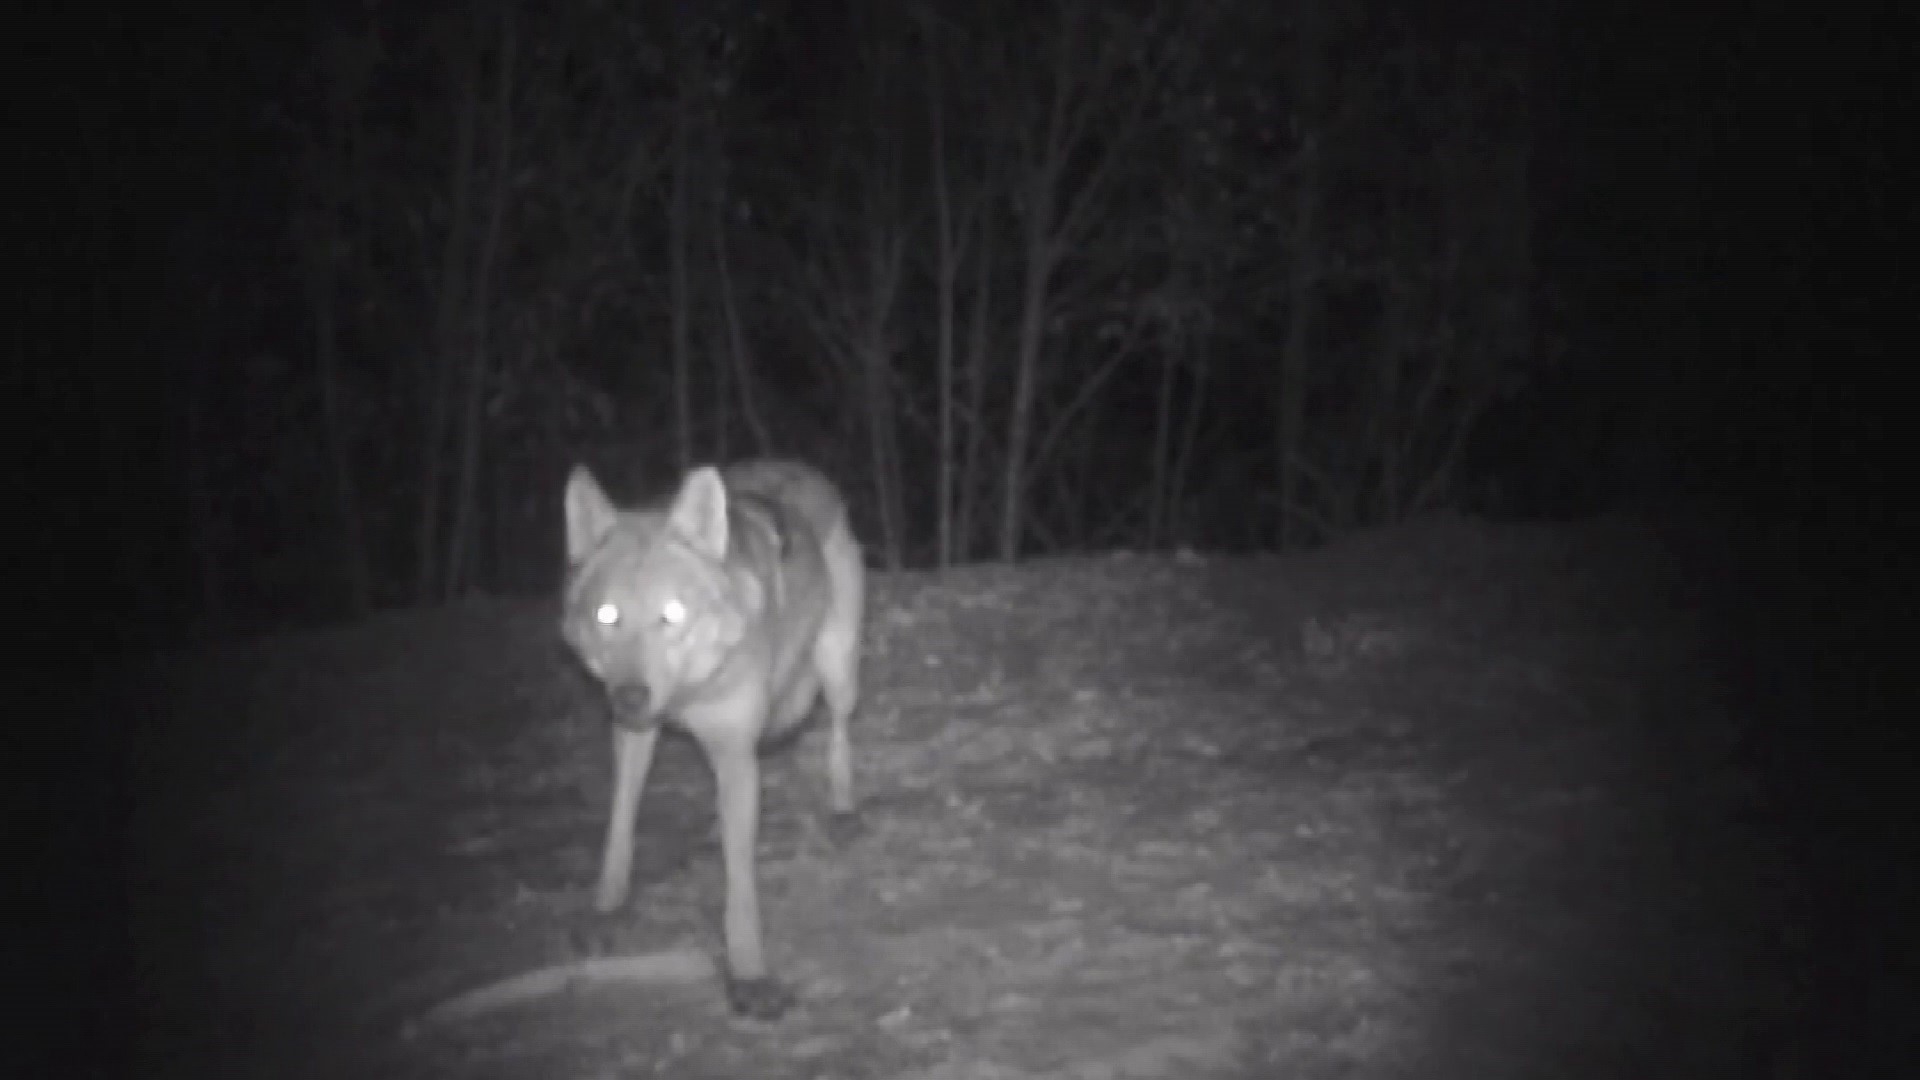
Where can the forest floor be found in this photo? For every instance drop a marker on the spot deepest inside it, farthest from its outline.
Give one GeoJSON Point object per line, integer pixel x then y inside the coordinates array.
{"type": "Point", "coordinates": [1455, 799]}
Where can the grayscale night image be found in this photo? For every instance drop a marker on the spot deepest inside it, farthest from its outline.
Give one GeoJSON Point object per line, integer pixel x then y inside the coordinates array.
{"type": "Point", "coordinates": [935, 540]}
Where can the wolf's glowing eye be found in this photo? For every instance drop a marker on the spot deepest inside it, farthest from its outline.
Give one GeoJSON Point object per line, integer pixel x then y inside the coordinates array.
{"type": "Point", "coordinates": [607, 615]}
{"type": "Point", "coordinates": [673, 613]}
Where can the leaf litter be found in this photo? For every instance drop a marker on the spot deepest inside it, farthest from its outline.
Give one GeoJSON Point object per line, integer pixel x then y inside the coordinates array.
{"type": "Point", "coordinates": [1381, 810]}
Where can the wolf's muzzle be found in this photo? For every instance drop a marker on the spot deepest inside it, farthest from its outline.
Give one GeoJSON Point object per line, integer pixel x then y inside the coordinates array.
{"type": "Point", "coordinates": [632, 705]}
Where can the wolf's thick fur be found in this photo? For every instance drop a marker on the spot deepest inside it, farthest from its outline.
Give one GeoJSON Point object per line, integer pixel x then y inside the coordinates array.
{"type": "Point", "coordinates": [729, 612]}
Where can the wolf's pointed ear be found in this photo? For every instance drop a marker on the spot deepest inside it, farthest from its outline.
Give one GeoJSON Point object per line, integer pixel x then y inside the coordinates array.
{"type": "Point", "coordinates": [699, 512]}
{"type": "Point", "coordinates": [589, 513]}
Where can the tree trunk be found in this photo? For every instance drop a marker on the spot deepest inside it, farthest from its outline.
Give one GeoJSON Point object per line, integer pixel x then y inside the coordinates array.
{"type": "Point", "coordinates": [1303, 268]}
{"type": "Point", "coordinates": [736, 337]}
{"type": "Point", "coordinates": [1389, 425]}
{"type": "Point", "coordinates": [883, 449]}
{"type": "Point", "coordinates": [1033, 304]}
{"type": "Point", "coordinates": [1162, 453]}
{"type": "Point", "coordinates": [885, 260]}
{"type": "Point", "coordinates": [680, 298]}
{"type": "Point", "coordinates": [1189, 437]}
{"type": "Point", "coordinates": [442, 355]}
{"type": "Point", "coordinates": [460, 538]}
{"type": "Point", "coordinates": [334, 429]}
{"type": "Point", "coordinates": [947, 273]}
{"type": "Point", "coordinates": [978, 341]}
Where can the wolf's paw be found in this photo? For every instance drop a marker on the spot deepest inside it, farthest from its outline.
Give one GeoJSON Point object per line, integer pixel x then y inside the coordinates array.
{"type": "Point", "coordinates": [764, 998]}
{"type": "Point", "coordinates": [592, 940]}
{"type": "Point", "coordinates": [843, 828]}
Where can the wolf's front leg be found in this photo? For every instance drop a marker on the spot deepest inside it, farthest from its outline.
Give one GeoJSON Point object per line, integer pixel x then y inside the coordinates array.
{"type": "Point", "coordinates": [632, 759]}
{"type": "Point", "coordinates": [736, 771]}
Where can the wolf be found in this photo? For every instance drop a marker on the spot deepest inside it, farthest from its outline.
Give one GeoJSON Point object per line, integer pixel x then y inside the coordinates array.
{"type": "Point", "coordinates": [728, 612]}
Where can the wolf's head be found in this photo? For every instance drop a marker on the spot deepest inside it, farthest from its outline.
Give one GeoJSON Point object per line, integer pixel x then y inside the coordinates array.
{"type": "Point", "coordinates": [649, 608]}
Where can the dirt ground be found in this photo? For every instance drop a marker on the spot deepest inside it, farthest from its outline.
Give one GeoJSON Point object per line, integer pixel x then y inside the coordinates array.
{"type": "Point", "coordinates": [1451, 800]}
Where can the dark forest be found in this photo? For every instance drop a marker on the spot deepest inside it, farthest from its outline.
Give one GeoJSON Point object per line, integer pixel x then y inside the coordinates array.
{"type": "Point", "coordinates": [1380, 525]}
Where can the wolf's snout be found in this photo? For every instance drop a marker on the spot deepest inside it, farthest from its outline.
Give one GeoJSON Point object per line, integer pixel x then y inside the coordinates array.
{"type": "Point", "coordinates": [631, 702]}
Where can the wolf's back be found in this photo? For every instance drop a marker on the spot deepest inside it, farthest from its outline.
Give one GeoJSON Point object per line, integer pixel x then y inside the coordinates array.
{"type": "Point", "coordinates": [799, 488]}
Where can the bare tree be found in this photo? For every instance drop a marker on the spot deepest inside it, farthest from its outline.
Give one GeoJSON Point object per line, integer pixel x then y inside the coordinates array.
{"type": "Point", "coordinates": [858, 230]}
{"type": "Point", "coordinates": [336, 435]}
{"type": "Point", "coordinates": [332, 171]}
{"type": "Point", "coordinates": [1303, 264]}
{"type": "Point", "coordinates": [451, 294]}
{"type": "Point", "coordinates": [475, 372]}
{"type": "Point", "coordinates": [1184, 342]}
{"type": "Point", "coordinates": [733, 325]}
{"type": "Point", "coordinates": [680, 240]}
{"type": "Point", "coordinates": [949, 238]}
{"type": "Point", "coordinates": [1072, 137]}
{"type": "Point", "coordinates": [1455, 334]}
{"type": "Point", "coordinates": [1028, 266]}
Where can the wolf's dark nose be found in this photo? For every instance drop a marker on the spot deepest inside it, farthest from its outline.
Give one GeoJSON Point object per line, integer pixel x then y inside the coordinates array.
{"type": "Point", "coordinates": [631, 702]}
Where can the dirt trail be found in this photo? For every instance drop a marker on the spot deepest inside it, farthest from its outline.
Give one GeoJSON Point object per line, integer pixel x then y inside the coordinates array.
{"type": "Point", "coordinates": [1451, 800]}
